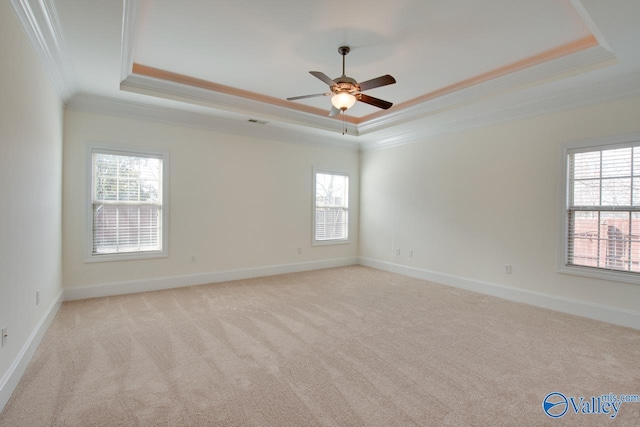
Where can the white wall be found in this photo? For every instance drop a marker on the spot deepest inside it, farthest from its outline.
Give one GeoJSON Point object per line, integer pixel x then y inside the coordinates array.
{"type": "Point", "coordinates": [30, 190]}
{"type": "Point", "coordinates": [236, 202]}
{"type": "Point", "coordinates": [470, 202]}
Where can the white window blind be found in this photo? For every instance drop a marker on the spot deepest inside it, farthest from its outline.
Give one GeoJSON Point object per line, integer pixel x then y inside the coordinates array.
{"type": "Point", "coordinates": [603, 208]}
{"type": "Point", "coordinates": [331, 207]}
{"type": "Point", "coordinates": [127, 198]}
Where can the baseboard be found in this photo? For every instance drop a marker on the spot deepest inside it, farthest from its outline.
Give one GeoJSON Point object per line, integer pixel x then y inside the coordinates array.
{"type": "Point", "coordinates": [601, 312]}
{"type": "Point", "coordinates": [157, 284]}
{"type": "Point", "coordinates": [12, 377]}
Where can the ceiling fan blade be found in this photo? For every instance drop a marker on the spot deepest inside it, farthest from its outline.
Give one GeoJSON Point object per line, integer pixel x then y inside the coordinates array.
{"type": "Point", "coordinates": [334, 111]}
{"type": "Point", "coordinates": [323, 77]}
{"type": "Point", "coordinates": [377, 82]}
{"type": "Point", "coordinates": [293, 98]}
{"type": "Point", "coordinates": [380, 103]}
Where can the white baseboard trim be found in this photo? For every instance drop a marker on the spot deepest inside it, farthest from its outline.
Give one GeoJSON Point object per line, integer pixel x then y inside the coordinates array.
{"type": "Point", "coordinates": [591, 310]}
{"type": "Point", "coordinates": [12, 377]}
{"type": "Point", "coordinates": [156, 284]}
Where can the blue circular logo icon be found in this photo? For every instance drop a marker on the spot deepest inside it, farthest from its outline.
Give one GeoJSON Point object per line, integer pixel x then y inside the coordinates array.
{"type": "Point", "coordinates": [555, 405]}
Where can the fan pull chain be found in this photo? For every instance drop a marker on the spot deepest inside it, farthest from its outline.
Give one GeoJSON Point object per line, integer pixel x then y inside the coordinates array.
{"type": "Point", "coordinates": [344, 122]}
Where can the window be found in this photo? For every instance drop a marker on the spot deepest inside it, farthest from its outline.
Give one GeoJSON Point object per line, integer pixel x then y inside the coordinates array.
{"type": "Point", "coordinates": [602, 216]}
{"type": "Point", "coordinates": [127, 215]}
{"type": "Point", "coordinates": [331, 207]}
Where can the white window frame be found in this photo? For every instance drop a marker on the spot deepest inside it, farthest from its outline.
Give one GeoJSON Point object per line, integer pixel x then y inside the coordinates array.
{"type": "Point", "coordinates": [89, 188]}
{"type": "Point", "coordinates": [619, 141]}
{"type": "Point", "coordinates": [314, 241]}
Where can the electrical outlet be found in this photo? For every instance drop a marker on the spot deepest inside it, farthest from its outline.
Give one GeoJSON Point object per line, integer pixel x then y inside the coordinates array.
{"type": "Point", "coordinates": [5, 336]}
{"type": "Point", "coordinates": [299, 251]}
{"type": "Point", "coordinates": [38, 297]}
{"type": "Point", "coordinates": [193, 259]}
{"type": "Point", "coordinates": [410, 253]}
{"type": "Point", "coordinates": [398, 252]}
{"type": "Point", "coordinates": [507, 269]}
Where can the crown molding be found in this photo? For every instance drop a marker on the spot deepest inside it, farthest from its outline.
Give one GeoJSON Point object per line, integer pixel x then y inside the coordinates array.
{"type": "Point", "coordinates": [128, 42]}
{"type": "Point", "coordinates": [40, 21]}
{"type": "Point", "coordinates": [581, 10]}
{"type": "Point", "coordinates": [145, 85]}
{"type": "Point", "coordinates": [473, 115]}
{"type": "Point", "coordinates": [482, 114]}
{"type": "Point", "coordinates": [546, 72]}
{"type": "Point", "coordinates": [157, 113]}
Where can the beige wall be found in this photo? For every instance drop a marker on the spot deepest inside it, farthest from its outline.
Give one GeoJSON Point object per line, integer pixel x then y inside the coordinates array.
{"type": "Point", "coordinates": [236, 202]}
{"type": "Point", "coordinates": [470, 202]}
{"type": "Point", "coordinates": [30, 188]}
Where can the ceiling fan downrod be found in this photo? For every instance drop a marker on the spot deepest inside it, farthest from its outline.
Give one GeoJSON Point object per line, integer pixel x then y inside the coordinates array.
{"type": "Point", "coordinates": [343, 50]}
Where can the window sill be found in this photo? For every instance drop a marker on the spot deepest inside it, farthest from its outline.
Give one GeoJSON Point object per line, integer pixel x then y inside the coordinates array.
{"type": "Point", "coordinates": [130, 256]}
{"type": "Point", "coordinates": [596, 273]}
{"type": "Point", "coordinates": [330, 242]}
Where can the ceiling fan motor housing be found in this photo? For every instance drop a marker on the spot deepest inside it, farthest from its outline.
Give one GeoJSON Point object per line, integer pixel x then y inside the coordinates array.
{"type": "Point", "coordinates": [345, 83]}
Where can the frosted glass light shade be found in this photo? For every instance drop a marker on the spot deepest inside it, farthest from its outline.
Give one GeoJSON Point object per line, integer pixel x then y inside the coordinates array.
{"type": "Point", "coordinates": [343, 100]}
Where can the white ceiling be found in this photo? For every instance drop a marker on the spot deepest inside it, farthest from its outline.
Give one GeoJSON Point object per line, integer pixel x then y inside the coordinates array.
{"type": "Point", "coordinates": [452, 55]}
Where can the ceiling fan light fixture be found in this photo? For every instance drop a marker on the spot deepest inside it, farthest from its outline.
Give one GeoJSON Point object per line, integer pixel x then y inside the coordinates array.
{"type": "Point", "coordinates": [343, 100]}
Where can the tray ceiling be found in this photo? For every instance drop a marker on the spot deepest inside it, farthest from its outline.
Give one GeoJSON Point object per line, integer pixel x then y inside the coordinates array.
{"type": "Point", "coordinates": [239, 60]}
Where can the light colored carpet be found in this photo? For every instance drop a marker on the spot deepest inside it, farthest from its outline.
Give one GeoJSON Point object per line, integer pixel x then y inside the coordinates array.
{"type": "Point", "coordinates": [347, 346]}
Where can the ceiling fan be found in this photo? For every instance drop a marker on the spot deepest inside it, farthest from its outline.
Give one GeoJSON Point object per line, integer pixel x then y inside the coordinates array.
{"type": "Point", "coordinates": [345, 91]}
